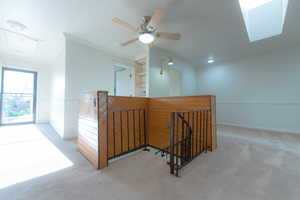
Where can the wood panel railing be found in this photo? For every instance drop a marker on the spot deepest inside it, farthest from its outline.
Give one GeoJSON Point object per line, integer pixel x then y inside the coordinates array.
{"type": "Point", "coordinates": [125, 124]}
{"type": "Point", "coordinates": [159, 117]}
{"type": "Point", "coordinates": [128, 128]}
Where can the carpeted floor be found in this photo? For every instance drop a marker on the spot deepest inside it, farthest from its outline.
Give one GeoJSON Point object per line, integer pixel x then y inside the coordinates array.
{"type": "Point", "coordinates": [248, 165]}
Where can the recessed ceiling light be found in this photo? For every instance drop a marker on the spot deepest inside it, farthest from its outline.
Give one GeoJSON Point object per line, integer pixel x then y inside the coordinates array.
{"type": "Point", "coordinates": [211, 60]}
{"type": "Point", "coordinates": [146, 38]}
{"type": "Point", "coordinates": [15, 25]}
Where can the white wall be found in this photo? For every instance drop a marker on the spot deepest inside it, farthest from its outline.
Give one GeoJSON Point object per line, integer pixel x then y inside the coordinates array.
{"type": "Point", "coordinates": [159, 85]}
{"type": "Point", "coordinates": [57, 106]}
{"type": "Point", "coordinates": [258, 92]}
{"type": "Point", "coordinates": [87, 69]}
{"type": "Point", "coordinates": [43, 81]}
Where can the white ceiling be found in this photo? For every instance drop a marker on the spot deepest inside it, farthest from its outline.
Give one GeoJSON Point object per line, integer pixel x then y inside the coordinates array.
{"type": "Point", "coordinates": [208, 27]}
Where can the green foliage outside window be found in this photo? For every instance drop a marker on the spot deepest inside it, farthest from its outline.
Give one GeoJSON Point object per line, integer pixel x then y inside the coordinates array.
{"type": "Point", "coordinates": [16, 106]}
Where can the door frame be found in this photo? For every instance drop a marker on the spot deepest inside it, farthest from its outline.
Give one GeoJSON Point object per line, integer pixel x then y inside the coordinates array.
{"type": "Point", "coordinates": [132, 77]}
{"type": "Point", "coordinates": [34, 94]}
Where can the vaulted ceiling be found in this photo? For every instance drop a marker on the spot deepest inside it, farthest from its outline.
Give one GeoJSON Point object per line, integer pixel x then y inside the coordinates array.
{"type": "Point", "coordinates": [208, 27]}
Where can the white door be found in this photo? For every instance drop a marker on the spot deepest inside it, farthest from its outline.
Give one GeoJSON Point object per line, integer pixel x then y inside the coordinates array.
{"type": "Point", "coordinates": [175, 83]}
{"type": "Point", "coordinates": [124, 82]}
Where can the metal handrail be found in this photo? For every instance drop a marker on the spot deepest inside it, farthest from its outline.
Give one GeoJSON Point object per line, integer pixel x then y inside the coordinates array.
{"type": "Point", "coordinates": [185, 122]}
{"type": "Point", "coordinates": [184, 142]}
{"type": "Point", "coordinates": [186, 157]}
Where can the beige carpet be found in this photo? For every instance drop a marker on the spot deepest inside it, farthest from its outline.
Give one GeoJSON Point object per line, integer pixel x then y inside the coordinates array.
{"type": "Point", "coordinates": [248, 165]}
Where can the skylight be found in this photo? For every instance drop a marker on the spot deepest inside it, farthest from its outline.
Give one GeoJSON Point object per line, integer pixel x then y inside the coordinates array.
{"type": "Point", "coordinates": [251, 4]}
{"type": "Point", "coordinates": [263, 18]}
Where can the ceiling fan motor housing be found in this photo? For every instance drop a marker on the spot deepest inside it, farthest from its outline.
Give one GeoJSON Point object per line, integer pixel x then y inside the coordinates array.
{"type": "Point", "coordinates": [147, 31]}
{"type": "Point", "coordinates": [144, 26]}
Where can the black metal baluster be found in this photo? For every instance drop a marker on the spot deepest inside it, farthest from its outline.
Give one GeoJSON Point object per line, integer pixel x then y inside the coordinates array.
{"type": "Point", "coordinates": [145, 131]}
{"type": "Point", "coordinates": [140, 136]}
{"type": "Point", "coordinates": [181, 144]}
{"type": "Point", "coordinates": [201, 130]}
{"type": "Point", "coordinates": [193, 134]}
{"type": "Point", "coordinates": [191, 125]}
{"type": "Point", "coordinates": [189, 144]}
{"type": "Point", "coordinates": [134, 128]}
{"type": "Point", "coordinates": [177, 142]}
{"type": "Point", "coordinates": [197, 131]}
{"type": "Point", "coordinates": [183, 141]}
{"type": "Point", "coordinates": [200, 127]}
{"type": "Point", "coordinates": [187, 148]}
{"type": "Point", "coordinates": [185, 136]}
{"type": "Point", "coordinates": [114, 133]}
{"type": "Point", "coordinates": [172, 143]}
{"type": "Point", "coordinates": [206, 135]}
{"type": "Point", "coordinates": [128, 131]}
{"type": "Point", "coordinates": [121, 131]}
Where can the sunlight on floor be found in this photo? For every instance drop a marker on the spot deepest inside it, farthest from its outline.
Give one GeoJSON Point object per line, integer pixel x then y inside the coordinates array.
{"type": "Point", "coordinates": [26, 153]}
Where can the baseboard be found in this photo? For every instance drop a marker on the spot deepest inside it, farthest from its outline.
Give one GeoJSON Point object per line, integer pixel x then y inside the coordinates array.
{"type": "Point", "coordinates": [56, 131]}
{"type": "Point", "coordinates": [43, 122]}
{"type": "Point", "coordinates": [260, 128]}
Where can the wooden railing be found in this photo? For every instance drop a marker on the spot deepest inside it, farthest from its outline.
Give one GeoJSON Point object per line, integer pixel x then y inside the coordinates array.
{"type": "Point", "coordinates": [120, 125]}
{"type": "Point", "coordinates": [128, 128]}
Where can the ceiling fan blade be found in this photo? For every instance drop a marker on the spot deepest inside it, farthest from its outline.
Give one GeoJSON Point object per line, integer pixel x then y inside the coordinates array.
{"type": "Point", "coordinates": [125, 24]}
{"type": "Point", "coordinates": [129, 42]}
{"type": "Point", "coordinates": [170, 36]}
{"type": "Point", "coordinates": [159, 13]}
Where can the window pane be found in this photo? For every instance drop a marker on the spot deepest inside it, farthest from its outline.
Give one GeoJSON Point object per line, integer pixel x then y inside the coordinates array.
{"type": "Point", "coordinates": [18, 82]}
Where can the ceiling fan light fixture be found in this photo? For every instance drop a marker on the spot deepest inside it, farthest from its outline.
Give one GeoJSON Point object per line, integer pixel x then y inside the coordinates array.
{"type": "Point", "coordinates": [146, 38]}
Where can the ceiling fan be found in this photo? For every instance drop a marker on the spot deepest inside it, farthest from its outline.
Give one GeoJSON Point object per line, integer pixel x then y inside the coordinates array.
{"type": "Point", "coordinates": [147, 31]}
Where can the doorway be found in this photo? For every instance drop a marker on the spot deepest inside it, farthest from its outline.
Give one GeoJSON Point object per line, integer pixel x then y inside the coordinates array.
{"type": "Point", "coordinates": [18, 96]}
{"type": "Point", "coordinates": [175, 83]}
{"type": "Point", "coordinates": [123, 85]}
